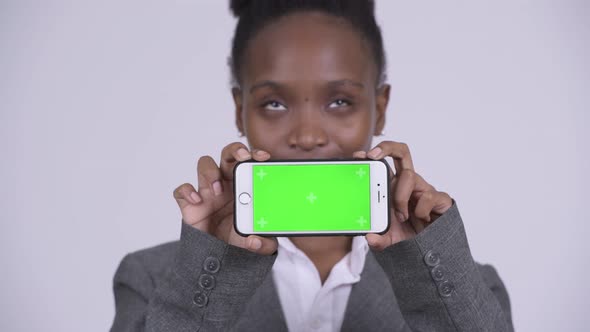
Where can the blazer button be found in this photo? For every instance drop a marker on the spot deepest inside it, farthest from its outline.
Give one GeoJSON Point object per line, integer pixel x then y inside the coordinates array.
{"type": "Point", "coordinates": [211, 265]}
{"type": "Point", "coordinates": [446, 288]}
{"type": "Point", "coordinates": [207, 281]}
{"type": "Point", "coordinates": [431, 258]}
{"type": "Point", "coordinates": [437, 273]}
{"type": "Point", "coordinates": [200, 299]}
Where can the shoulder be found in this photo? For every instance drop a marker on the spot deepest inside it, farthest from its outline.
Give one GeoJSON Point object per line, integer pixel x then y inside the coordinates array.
{"type": "Point", "coordinates": [147, 265]}
{"type": "Point", "coordinates": [490, 275]}
{"type": "Point", "coordinates": [157, 256]}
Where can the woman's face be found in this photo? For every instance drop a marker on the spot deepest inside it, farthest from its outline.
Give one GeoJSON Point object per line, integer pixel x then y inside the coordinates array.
{"type": "Point", "coordinates": [308, 89]}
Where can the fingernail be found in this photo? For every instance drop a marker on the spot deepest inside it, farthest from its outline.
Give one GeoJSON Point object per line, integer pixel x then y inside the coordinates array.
{"type": "Point", "coordinates": [375, 153]}
{"type": "Point", "coordinates": [261, 153]}
{"type": "Point", "coordinates": [217, 188]}
{"type": "Point", "coordinates": [400, 216]}
{"type": "Point", "coordinates": [243, 154]}
{"type": "Point", "coordinates": [359, 154]}
{"type": "Point", "coordinates": [255, 244]}
{"type": "Point", "coordinates": [196, 198]}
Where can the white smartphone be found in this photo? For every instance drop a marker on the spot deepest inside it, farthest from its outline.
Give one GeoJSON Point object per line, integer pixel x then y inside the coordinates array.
{"type": "Point", "coordinates": [311, 197]}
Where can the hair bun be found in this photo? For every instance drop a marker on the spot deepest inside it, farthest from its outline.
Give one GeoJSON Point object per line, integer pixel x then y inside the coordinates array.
{"type": "Point", "coordinates": [371, 4]}
{"type": "Point", "coordinates": [239, 7]}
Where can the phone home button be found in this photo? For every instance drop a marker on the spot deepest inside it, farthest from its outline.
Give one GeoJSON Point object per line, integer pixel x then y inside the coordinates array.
{"type": "Point", "coordinates": [245, 198]}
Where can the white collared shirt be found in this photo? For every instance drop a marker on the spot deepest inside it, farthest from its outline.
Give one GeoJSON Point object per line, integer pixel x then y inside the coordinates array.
{"type": "Point", "coordinates": [307, 304]}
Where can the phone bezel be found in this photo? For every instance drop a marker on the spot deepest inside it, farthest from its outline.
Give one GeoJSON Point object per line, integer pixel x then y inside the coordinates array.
{"type": "Point", "coordinates": [381, 229]}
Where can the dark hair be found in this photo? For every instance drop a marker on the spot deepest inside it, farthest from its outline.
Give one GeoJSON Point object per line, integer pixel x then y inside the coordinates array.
{"type": "Point", "coordinates": [255, 14]}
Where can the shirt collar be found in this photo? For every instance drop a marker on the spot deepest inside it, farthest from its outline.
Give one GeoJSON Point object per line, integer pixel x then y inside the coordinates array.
{"type": "Point", "coordinates": [355, 259]}
{"type": "Point", "coordinates": [359, 251]}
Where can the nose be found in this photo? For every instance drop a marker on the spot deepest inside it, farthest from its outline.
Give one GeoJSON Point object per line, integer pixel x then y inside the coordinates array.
{"type": "Point", "coordinates": [307, 132]}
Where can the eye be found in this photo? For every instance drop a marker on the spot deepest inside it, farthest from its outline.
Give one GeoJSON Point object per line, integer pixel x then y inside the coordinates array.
{"type": "Point", "coordinates": [274, 105]}
{"type": "Point", "coordinates": [339, 103]}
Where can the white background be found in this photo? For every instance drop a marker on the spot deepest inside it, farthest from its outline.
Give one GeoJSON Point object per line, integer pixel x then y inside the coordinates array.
{"type": "Point", "coordinates": [106, 106]}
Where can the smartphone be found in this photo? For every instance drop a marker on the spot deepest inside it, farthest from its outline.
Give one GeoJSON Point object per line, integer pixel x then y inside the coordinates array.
{"type": "Point", "coordinates": [311, 197]}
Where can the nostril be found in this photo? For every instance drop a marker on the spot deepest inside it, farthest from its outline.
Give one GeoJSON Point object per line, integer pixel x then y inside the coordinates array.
{"type": "Point", "coordinates": [308, 137]}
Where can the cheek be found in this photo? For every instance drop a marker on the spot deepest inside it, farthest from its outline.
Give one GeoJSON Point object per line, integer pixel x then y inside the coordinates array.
{"type": "Point", "coordinates": [353, 133]}
{"type": "Point", "coordinates": [264, 134]}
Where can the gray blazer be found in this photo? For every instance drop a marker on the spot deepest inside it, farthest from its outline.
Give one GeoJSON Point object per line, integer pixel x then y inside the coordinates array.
{"type": "Point", "coordinates": [200, 283]}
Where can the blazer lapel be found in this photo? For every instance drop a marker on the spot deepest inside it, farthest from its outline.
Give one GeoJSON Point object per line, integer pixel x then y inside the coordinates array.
{"type": "Point", "coordinates": [372, 306]}
{"type": "Point", "coordinates": [263, 312]}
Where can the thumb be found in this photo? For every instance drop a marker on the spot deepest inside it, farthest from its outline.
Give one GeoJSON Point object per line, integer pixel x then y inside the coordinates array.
{"type": "Point", "coordinates": [261, 245]}
{"type": "Point", "coordinates": [377, 242]}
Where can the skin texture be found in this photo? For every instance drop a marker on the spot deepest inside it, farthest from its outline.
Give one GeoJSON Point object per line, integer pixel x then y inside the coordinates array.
{"type": "Point", "coordinates": [308, 90]}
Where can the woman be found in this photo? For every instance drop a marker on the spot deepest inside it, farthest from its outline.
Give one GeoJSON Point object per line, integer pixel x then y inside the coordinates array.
{"type": "Point", "coordinates": [309, 82]}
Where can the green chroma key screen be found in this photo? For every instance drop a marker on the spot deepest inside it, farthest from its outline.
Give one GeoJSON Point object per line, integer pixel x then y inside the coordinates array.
{"type": "Point", "coordinates": [327, 197]}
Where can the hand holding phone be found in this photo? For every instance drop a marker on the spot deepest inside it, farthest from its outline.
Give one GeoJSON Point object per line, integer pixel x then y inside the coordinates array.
{"type": "Point", "coordinates": [313, 197]}
{"type": "Point", "coordinates": [210, 208]}
{"type": "Point", "coordinates": [415, 201]}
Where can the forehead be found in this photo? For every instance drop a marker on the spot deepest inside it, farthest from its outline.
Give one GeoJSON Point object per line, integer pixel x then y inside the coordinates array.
{"type": "Point", "coordinates": [308, 47]}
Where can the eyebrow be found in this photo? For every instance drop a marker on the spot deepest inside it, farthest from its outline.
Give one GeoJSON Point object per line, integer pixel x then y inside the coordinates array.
{"type": "Point", "coordinates": [263, 84]}
{"type": "Point", "coordinates": [332, 84]}
{"type": "Point", "coordinates": [346, 82]}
